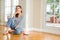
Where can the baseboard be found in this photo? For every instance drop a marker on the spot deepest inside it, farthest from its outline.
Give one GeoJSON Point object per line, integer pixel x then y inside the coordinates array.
{"type": "Point", "coordinates": [2, 23]}
{"type": "Point", "coordinates": [44, 30]}
{"type": "Point", "coordinates": [35, 29]}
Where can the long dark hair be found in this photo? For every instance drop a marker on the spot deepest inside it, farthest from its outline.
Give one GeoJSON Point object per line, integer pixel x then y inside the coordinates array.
{"type": "Point", "coordinates": [16, 15]}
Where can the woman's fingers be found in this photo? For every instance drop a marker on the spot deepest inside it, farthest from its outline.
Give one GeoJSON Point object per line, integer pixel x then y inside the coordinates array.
{"type": "Point", "coordinates": [5, 33]}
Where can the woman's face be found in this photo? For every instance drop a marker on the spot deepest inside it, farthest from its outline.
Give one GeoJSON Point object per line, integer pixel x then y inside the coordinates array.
{"type": "Point", "coordinates": [18, 10]}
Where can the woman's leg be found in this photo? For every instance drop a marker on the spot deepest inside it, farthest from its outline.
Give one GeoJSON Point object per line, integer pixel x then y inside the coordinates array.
{"type": "Point", "coordinates": [18, 31]}
{"type": "Point", "coordinates": [10, 24]}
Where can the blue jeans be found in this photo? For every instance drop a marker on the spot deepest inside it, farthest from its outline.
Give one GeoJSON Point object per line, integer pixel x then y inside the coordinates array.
{"type": "Point", "coordinates": [11, 25]}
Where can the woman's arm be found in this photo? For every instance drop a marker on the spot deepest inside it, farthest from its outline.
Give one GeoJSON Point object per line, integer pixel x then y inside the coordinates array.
{"type": "Point", "coordinates": [21, 24]}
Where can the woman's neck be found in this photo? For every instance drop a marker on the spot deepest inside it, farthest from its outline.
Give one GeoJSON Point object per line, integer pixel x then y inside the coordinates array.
{"type": "Point", "coordinates": [19, 14]}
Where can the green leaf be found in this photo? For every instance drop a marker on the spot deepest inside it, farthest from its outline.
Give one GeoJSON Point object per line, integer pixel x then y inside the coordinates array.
{"type": "Point", "coordinates": [50, 1]}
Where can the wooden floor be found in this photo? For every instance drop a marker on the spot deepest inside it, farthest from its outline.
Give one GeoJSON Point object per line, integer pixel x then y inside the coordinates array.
{"type": "Point", "coordinates": [32, 36]}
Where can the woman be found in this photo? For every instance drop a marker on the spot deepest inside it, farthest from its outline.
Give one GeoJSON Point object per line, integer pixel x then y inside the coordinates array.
{"type": "Point", "coordinates": [15, 24]}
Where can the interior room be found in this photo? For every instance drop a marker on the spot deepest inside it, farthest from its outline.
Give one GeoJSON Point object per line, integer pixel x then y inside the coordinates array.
{"type": "Point", "coordinates": [41, 19]}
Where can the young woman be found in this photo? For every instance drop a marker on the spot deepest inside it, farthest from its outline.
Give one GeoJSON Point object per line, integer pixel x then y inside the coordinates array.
{"type": "Point", "coordinates": [15, 24]}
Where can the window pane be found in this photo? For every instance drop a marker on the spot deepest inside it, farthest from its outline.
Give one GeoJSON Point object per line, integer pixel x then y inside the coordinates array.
{"type": "Point", "coordinates": [7, 8]}
{"type": "Point", "coordinates": [7, 12]}
{"type": "Point", "coordinates": [15, 2]}
{"type": "Point", "coordinates": [57, 0]}
{"type": "Point", "coordinates": [50, 13]}
{"type": "Point", "coordinates": [7, 3]}
{"type": "Point", "coordinates": [10, 7]}
{"type": "Point", "coordinates": [13, 10]}
{"type": "Point", "coordinates": [50, 1]}
{"type": "Point", "coordinates": [57, 14]}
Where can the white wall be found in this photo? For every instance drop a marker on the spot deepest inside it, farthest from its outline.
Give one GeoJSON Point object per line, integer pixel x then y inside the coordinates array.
{"type": "Point", "coordinates": [36, 14]}
{"type": "Point", "coordinates": [33, 13]}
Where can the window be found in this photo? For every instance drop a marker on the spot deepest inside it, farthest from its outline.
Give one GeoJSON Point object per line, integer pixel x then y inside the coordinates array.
{"type": "Point", "coordinates": [53, 12]}
{"type": "Point", "coordinates": [10, 7]}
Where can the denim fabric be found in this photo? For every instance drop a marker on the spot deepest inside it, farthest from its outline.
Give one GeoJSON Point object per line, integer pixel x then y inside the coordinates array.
{"type": "Point", "coordinates": [11, 24]}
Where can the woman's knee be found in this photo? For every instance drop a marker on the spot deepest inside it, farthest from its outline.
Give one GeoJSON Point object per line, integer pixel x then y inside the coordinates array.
{"type": "Point", "coordinates": [10, 19]}
{"type": "Point", "coordinates": [17, 32]}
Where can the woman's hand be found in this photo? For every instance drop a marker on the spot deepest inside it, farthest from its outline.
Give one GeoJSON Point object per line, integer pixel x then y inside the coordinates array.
{"type": "Point", "coordinates": [8, 17]}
